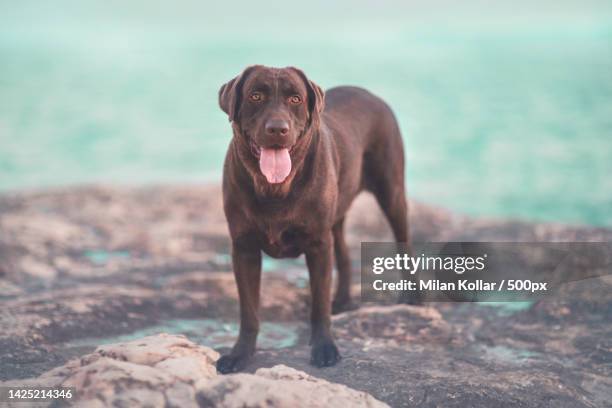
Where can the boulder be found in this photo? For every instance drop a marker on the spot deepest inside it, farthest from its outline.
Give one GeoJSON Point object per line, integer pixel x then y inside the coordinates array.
{"type": "Point", "coordinates": [170, 370]}
{"type": "Point", "coordinates": [280, 387]}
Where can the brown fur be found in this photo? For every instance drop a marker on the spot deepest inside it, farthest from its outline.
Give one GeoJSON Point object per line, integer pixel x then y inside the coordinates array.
{"type": "Point", "coordinates": [341, 143]}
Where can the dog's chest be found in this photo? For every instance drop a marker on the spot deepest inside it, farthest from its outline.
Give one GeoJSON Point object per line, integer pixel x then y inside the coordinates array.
{"type": "Point", "coordinates": [284, 240]}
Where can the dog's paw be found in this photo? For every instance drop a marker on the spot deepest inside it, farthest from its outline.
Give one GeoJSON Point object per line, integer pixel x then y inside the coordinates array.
{"type": "Point", "coordinates": [343, 306]}
{"type": "Point", "coordinates": [325, 354]}
{"type": "Point", "coordinates": [231, 363]}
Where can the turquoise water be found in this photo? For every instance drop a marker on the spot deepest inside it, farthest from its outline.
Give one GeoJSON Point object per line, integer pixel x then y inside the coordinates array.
{"type": "Point", "coordinates": [503, 116]}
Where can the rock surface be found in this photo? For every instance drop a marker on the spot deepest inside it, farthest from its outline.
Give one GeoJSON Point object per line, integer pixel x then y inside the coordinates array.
{"type": "Point", "coordinates": [280, 386]}
{"type": "Point", "coordinates": [169, 370]}
{"type": "Point", "coordinates": [83, 268]}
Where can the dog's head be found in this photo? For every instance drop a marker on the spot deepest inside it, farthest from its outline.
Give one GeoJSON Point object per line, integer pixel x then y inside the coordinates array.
{"type": "Point", "coordinates": [273, 109]}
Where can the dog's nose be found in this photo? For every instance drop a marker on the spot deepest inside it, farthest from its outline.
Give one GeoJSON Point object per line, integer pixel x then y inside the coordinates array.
{"type": "Point", "coordinates": [277, 127]}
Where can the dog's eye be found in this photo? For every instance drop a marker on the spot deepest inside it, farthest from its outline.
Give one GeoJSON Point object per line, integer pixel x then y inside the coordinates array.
{"type": "Point", "coordinates": [256, 97]}
{"type": "Point", "coordinates": [295, 99]}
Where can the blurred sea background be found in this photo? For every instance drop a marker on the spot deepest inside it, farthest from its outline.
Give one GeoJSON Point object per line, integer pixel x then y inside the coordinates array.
{"type": "Point", "coordinates": [505, 107]}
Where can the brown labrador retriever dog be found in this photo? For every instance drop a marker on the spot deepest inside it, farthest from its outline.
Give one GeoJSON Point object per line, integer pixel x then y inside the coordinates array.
{"type": "Point", "coordinates": [297, 160]}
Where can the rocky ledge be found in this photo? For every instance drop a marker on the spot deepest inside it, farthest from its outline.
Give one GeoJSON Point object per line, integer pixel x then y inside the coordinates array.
{"type": "Point", "coordinates": [90, 277]}
{"type": "Point", "coordinates": [171, 371]}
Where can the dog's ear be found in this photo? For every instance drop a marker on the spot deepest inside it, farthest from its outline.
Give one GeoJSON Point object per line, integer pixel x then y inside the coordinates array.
{"type": "Point", "coordinates": [230, 94]}
{"type": "Point", "coordinates": [316, 98]}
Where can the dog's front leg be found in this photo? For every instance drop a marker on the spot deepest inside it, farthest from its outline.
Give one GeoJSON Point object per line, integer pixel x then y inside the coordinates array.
{"type": "Point", "coordinates": [319, 258]}
{"type": "Point", "coordinates": [246, 259]}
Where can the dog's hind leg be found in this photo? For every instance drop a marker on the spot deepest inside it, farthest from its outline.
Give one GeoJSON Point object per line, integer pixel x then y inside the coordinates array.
{"type": "Point", "coordinates": [384, 176]}
{"type": "Point", "coordinates": [391, 196]}
{"type": "Point", "coordinates": [342, 298]}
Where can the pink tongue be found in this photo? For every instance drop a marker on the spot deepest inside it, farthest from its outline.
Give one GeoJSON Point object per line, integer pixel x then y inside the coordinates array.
{"type": "Point", "coordinates": [275, 164]}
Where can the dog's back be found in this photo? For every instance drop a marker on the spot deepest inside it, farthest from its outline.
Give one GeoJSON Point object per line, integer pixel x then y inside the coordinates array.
{"type": "Point", "coordinates": [368, 144]}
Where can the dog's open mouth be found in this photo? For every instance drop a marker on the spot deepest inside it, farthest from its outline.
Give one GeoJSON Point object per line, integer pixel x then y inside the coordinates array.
{"type": "Point", "coordinates": [274, 162]}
